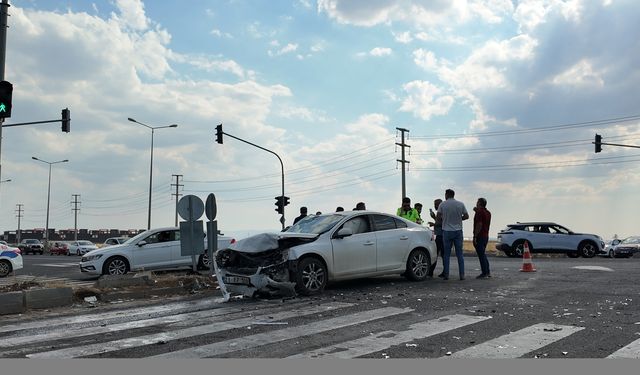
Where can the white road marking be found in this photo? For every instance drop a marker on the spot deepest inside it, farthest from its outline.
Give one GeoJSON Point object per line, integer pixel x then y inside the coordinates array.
{"type": "Point", "coordinates": [271, 337]}
{"type": "Point", "coordinates": [133, 342]}
{"type": "Point", "coordinates": [86, 331]}
{"type": "Point", "coordinates": [519, 343]}
{"type": "Point", "coordinates": [593, 268]}
{"type": "Point", "coordinates": [60, 265]}
{"type": "Point", "coordinates": [130, 314]}
{"type": "Point", "coordinates": [630, 351]}
{"type": "Point", "coordinates": [384, 340]}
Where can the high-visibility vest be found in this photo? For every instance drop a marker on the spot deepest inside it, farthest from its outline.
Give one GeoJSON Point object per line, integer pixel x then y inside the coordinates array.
{"type": "Point", "coordinates": [411, 215]}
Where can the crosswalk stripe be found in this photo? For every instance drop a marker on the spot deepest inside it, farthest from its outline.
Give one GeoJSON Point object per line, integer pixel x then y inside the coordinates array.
{"type": "Point", "coordinates": [261, 339]}
{"type": "Point", "coordinates": [386, 339]}
{"type": "Point", "coordinates": [630, 351]}
{"type": "Point", "coordinates": [127, 314]}
{"type": "Point", "coordinates": [519, 343]}
{"type": "Point", "coordinates": [70, 332]}
{"type": "Point", "coordinates": [133, 342]}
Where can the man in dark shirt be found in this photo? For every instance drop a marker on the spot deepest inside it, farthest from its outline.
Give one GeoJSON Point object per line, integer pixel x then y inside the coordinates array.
{"type": "Point", "coordinates": [303, 214]}
{"type": "Point", "coordinates": [481, 223]}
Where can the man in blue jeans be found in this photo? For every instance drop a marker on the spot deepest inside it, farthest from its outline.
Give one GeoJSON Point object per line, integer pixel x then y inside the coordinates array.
{"type": "Point", "coordinates": [452, 212]}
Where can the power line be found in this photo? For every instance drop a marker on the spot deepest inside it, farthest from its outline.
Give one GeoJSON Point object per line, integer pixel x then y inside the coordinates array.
{"type": "Point", "coordinates": [535, 129]}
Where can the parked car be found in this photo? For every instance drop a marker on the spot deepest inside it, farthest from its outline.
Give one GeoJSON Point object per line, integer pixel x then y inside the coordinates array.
{"type": "Point", "coordinates": [152, 249]}
{"type": "Point", "coordinates": [80, 247]}
{"type": "Point", "coordinates": [547, 237]}
{"type": "Point", "coordinates": [326, 248]}
{"type": "Point", "coordinates": [59, 248]}
{"type": "Point", "coordinates": [10, 260]}
{"type": "Point", "coordinates": [114, 241]}
{"type": "Point", "coordinates": [627, 247]}
{"type": "Point", "coordinates": [30, 245]}
{"type": "Point", "coordinates": [608, 247]}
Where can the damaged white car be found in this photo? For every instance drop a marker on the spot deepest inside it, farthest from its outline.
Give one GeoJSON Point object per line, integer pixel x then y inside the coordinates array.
{"type": "Point", "coordinates": [326, 248]}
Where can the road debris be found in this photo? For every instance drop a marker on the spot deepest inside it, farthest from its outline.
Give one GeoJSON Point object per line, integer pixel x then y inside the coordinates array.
{"type": "Point", "coordinates": [553, 329]}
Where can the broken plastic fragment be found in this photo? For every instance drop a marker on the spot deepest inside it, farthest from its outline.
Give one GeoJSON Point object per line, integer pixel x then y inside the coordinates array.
{"type": "Point", "coordinates": [554, 329]}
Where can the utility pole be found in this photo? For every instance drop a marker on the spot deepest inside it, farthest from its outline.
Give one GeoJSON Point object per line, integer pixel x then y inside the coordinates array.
{"type": "Point", "coordinates": [4, 13]}
{"type": "Point", "coordinates": [75, 216]}
{"type": "Point", "coordinates": [177, 194]}
{"type": "Point", "coordinates": [19, 216]}
{"type": "Point", "coordinates": [404, 161]}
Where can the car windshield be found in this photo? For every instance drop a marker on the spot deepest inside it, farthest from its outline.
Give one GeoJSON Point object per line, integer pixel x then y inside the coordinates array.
{"type": "Point", "coordinates": [85, 243]}
{"type": "Point", "coordinates": [630, 240]}
{"type": "Point", "coordinates": [31, 241]}
{"type": "Point", "coordinates": [316, 224]}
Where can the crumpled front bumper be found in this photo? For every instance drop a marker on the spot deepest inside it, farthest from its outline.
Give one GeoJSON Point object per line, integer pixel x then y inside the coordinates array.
{"type": "Point", "coordinates": [249, 285]}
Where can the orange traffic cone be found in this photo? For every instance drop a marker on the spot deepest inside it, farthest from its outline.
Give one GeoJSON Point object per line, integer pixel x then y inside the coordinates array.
{"type": "Point", "coordinates": [527, 266]}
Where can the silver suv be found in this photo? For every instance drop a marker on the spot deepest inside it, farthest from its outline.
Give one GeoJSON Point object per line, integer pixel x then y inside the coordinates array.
{"type": "Point", "coordinates": [547, 237]}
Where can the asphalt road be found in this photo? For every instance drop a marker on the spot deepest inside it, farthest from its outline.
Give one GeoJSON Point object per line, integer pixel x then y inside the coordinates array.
{"type": "Point", "coordinates": [569, 308]}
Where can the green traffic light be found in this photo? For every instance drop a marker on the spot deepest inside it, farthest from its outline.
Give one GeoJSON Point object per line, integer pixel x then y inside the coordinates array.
{"type": "Point", "coordinates": [3, 107]}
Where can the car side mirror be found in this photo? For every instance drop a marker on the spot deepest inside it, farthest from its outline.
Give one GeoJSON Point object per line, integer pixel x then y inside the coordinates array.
{"type": "Point", "coordinates": [344, 232]}
{"type": "Point", "coordinates": [142, 243]}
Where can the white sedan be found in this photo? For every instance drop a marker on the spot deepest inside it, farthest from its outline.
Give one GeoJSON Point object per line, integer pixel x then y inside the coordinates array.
{"type": "Point", "coordinates": [80, 247]}
{"type": "Point", "coordinates": [326, 248]}
{"type": "Point", "coordinates": [151, 249]}
{"type": "Point", "coordinates": [10, 259]}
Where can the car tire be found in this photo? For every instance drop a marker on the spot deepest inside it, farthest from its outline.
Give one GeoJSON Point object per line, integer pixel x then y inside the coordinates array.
{"type": "Point", "coordinates": [203, 262]}
{"type": "Point", "coordinates": [311, 277]}
{"type": "Point", "coordinates": [5, 268]}
{"type": "Point", "coordinates": [518, 248]}
{"type": "Point", "coordinates": [418, 265]}
{"type": "Point", "coordinates": [611, 254]}
{"type": "Point", "coordinates": [115, 266]}
{"type": "Point", "coordinates": [587, 249]}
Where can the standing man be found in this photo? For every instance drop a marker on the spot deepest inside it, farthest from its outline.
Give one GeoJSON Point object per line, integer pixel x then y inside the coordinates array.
{"type": "Point", "coordinates": [406, 211]}
{"type": "Point", "coordinates": [303, 214]}
{"type": "Point", "coordinates": [452, 213]}
{"type": "Point", "coordinates": [360, 206]}
{"type": "Point", "coordinates": [437, 229]}
{"type": "Point", "coordinates": [481, 223]}
{"type": "Point", "coordinates": [418, 208]}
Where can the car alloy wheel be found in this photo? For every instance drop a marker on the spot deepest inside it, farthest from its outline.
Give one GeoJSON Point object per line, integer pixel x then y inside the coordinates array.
{"type": "Point", "coordinates": [418, 265]}
{"type": "Point", "coordinates": [311, 277]}
{"type": "Point", "coordinates": [116, 266]}
{"type": "Point", "coordinates": [518, 248]}
{"type": "Point", "coordinates": [5, 268]}
{"type": "Point", "coordinates": [587, 250]}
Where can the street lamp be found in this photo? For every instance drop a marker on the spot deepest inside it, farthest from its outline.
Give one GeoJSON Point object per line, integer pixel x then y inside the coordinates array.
{"type": "Point", "coordinates": [46, 233]}
{"type": "Point", "coordinates": [153, 128]}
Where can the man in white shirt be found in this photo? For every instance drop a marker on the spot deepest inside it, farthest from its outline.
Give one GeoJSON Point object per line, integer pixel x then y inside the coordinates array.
{"type": "Point", "coordinates": [452, 213]}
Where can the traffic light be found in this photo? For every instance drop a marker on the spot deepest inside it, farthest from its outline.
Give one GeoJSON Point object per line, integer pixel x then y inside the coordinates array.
{"type": "Point", "coordinates": [6, 91]}
{"type": "Point", "coordinates": [219, 133]}
{"type": "Point", "coordinates": [286, 201]}
{"type": "Point", "coordinates": [280, 205]}
{"type": "Point", "coordinates": [598, 143]}
{"type": "Point", "coordinates": [66, 120]}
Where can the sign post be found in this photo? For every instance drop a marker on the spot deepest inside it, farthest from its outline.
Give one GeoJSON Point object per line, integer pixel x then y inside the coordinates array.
{"type": "Point", "coordinates": [191, 208]}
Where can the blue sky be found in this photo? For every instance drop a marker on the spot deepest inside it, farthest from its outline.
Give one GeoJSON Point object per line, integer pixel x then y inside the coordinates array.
{"type": "Point", "coordinates": [502, 99]}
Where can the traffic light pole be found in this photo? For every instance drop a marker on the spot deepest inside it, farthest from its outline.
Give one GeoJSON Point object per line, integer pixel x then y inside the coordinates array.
{"type": "Point", "coordinates": [4, 13]}
{"type": "Point", "coordinates": [282, 219]}
{"type": "Point", "coordinates": [598, 142]}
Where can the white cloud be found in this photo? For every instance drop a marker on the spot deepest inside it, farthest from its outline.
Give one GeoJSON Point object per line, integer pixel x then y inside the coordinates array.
{"type": "Point", "coordinates": [425, 100]}
{"type": "Point", "coordinates": [380, 51]}
{"type": "Point", "coordinates": [132, 14]}
{"type": "Point", "coordinates": [220, 34]}
{"type": "Point", "coordinates": [403, 37]}
{"type": "Point", "coordinates": [581, 74]}
{"type": "Point", "coordinates": [289, 48]}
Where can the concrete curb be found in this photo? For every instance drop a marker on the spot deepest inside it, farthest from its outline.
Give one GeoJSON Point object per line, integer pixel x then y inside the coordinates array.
{"type": "Point", "coordinates": [21, 301]}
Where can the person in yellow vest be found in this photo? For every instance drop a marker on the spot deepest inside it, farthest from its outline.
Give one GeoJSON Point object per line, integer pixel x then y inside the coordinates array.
{"type": "Point", "coordinates": [406, 211]}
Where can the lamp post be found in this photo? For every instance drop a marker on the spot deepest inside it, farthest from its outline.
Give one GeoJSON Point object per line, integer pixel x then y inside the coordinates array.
{"type": "Point", "coordinates": [153, 128]}
{"type": "Point", "coordinates": [46, 233]}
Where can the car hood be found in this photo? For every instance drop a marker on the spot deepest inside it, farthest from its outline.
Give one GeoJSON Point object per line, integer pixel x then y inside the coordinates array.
{"type": "Point", "coordinates": [103, 250]}
{"type": "Point", "coordinates": [271, 241]}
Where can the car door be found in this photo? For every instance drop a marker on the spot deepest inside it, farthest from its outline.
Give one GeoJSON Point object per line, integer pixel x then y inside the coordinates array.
{"type": "Point", "coordinates": [392, 241]}
{"type": "Point", "coordinates": [354, 254]}
{"type": "Point", "coordinates": [562, 239]}
{"type": "Point", "coordinates": [156, 251]}
{"type": "Point", "coordinates": [541, 237]}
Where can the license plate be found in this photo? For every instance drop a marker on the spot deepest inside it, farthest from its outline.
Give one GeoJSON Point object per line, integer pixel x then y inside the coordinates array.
{"type": "Point", "coordinates": [236, 280]}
